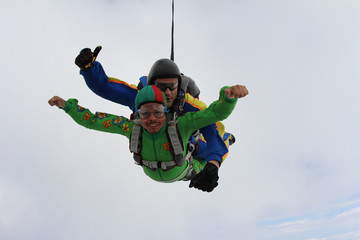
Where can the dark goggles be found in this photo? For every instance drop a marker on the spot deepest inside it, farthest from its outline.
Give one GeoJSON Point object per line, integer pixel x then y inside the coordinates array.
{"type": "Point", "coordinates": [164, 86]}
{"type": "Point", "coordinates": [146, 114]}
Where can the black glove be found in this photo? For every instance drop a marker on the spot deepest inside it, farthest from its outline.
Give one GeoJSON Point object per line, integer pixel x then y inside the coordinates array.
{"type": "Point", "coordinates": [207, 179]}
{"type": "Point", "coordinates": [86, 58]}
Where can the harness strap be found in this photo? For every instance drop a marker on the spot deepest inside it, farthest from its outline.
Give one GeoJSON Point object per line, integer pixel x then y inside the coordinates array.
{"type": "Point", "coordinates": [177, 148]}
{"type": "Point", "coordinates": [135, 139]}
{"type": "Point", "coordinates": [153, 165]}
{"type": "Point", "coordinates": [191, 172]}
{"type": "Point", "coordinates": [172, 131]}
{"type": "Point", "coordinates": [185, 175]}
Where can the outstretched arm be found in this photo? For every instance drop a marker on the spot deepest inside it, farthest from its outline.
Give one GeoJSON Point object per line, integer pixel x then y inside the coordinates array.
{"type": "Point", "coordinates": [106, 87]}
{"type": "Point", "coordinates": [98, 121]}
{"type": "Point", "coordinates": [216, 148]}
{"type": "Point", "coordinates": [208, 178]}
{"type": "Point", "coordinates": [218, 110]}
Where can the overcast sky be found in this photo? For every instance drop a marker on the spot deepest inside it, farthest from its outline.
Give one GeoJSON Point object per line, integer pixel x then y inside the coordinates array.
{"type": "Point", "coordinates": [293, 173]}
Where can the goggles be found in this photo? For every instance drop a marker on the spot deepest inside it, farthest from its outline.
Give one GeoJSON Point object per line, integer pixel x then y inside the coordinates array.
{"type": "Point", "coordinates": [146, 114]}
{"type": "Point", "coordinates": [164, 86]}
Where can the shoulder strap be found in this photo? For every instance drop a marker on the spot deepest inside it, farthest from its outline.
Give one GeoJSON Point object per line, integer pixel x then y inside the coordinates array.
{"type": "Point", "coordinates": [178, 105]}
{"type": "Point", "coordinates": [136, 142]}
{"type": "Point", "coordinates": [173, 135]}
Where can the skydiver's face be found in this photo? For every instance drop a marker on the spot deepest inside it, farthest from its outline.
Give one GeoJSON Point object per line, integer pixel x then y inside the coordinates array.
{"type": "Point", "coordinates": [170, 87]}
{"type": "Point", "coordinates": [152, 117]}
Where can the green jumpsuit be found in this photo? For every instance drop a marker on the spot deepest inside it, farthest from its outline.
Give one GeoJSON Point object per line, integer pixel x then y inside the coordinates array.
{"type": "Point", "coordinates": [156, 147]}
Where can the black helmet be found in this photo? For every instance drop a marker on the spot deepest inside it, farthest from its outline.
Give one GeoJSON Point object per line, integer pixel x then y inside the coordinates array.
{"type": "Point", "coordinates": [163, 68]}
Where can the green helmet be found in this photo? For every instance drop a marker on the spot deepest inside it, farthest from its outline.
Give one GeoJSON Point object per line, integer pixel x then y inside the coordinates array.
{"type": "Point", "coordinates": [150, 94]}
{"type": "Point", "coordinates": [163, 68]}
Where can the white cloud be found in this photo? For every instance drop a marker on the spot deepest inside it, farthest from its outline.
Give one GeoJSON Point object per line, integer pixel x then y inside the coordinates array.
{"type": "Point", "coordinates": [329, 223]}
{"type": "Point", "coordinates": [343, 236]}
{"type": "Point", "coordinates": [351, 212]}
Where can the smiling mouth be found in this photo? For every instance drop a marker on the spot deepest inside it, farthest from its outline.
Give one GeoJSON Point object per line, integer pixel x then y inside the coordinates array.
{"type": "Point", "coordinates": [152, 125]}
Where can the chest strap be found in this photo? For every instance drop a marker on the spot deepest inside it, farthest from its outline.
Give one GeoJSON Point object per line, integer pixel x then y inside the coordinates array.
{"type": "Point", "coordinates": [153, 165]}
